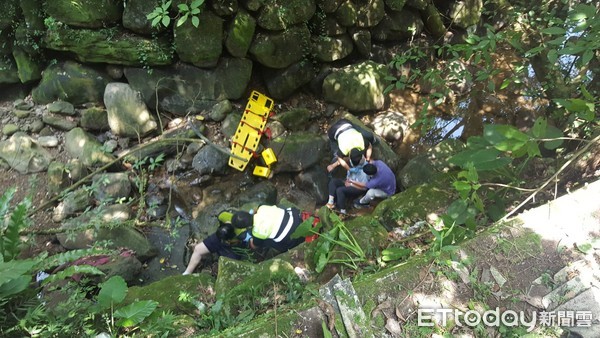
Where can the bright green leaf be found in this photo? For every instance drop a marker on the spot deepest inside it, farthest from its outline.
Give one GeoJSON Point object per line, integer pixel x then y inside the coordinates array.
{"type": "Point", "coordinates": [183, 8]}
{"type": "Point", "coordinates": [166, 20]}
{"type": "Point", "coordinates": [533, 149]}
{"type": "Point", "coordinates": [135, 313]}
{"type": "Point", "coordinates": [14, 286]}
{"type": "Point", "coordinates": [553, 132]}
{"type": "Point", "coordinates": [539, 127]}
{"type": "Point", "coordinates": [112, 292]}
{"type": "Point", "coordinates": [504, 137]}
{"type": "Point", "coordinates": [181, 20]}
{"type": "Point", "coordinates": [195, 21]}
{"type": "Point", "coordinates": [554, 31]}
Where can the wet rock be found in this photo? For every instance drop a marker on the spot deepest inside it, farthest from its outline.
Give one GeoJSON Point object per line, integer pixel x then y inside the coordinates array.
{"type": "Point", "coordinates": [36, 126]}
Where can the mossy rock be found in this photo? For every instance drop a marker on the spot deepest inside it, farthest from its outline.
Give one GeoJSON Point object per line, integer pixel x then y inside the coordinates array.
{"type": "Point", "coordinates": [167, 290]}
{"type": "Point", "coordinates": [241, 282]}
{"type": "Point", "coordinates": [71, 82]}
{"type": "Point", "coordinates": [85, 13]}
{"type": "Point", "coordinates": [422, 202]}
{"type": "Point", "coordinates": [114, 46]}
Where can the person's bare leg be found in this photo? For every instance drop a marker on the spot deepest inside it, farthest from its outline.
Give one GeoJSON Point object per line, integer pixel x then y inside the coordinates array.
{"type": "Point", "coordinates": [199, 250]}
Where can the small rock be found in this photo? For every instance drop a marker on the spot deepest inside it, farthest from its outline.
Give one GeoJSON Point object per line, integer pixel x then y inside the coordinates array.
{"type": "Point", "coordinates": [10, 129]}
{"type": "Point", "coordinates": [111, 145]}
{"type": "Point", "coordinates": [61, 107]}
{"type": "Point", "coordinates": [22, 104]}
{"type": "Point", "coordinates": [21, 114]}
{"type": "Point", "coordinates": [48, 141]}
{"type": "Point", "coordinates": [37, 126]}
{"type": "Point", "coordinates": [58, 122]}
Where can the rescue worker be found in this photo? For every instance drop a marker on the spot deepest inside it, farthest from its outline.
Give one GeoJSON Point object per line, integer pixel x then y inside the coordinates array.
{"type": "Point", "coordinates": [381, 183]}
{"type": "Point", "coordinates": [344, 136]}
{"type": "Point", "coordinates": [222, 242]}
{"type": "Point", "coordinates": [340, 191]}
{"type": "Point", "coordinates": [272, 226]}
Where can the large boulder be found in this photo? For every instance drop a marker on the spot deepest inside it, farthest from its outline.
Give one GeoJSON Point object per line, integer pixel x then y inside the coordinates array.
{"type": "Point", "coordinates": [135, 16]}
{"type": "Point", "coordinates": [298, 151]}
{"type": "Point", "coordinates": [240, 34]}
{"type": "Point", "coordinates": [281, 49]}
{"type": "Point", "coordinates": [29, 67]}
{"type": "Point", "coordinates": [279, 15]}
{"type": "Point", "coordinates": [331, 48]}
{"type": "Point", "coordinates": [398, 26]}
{"type": "Point", "coordinates": [418, 203]}
{"type": "Point", "coordinates": [86, 13]}
{"type": "Point", "coordinates": [281, 83]}
{"type": "Point", "coordinates": [358, 87]}
{"type": "Point", "coordinates": [238, 280]}
{"type": "Point", "coordinates": [202, 45]}
{"type": "Point", "coordinates": [370, 13]}
{"type": "Point", "coordinates": [72, 82]}
{"type": "Point", "coordinates": [183, 88]}
{"type": "Point", "coordinates": [9, 73]}
{"type": "Point", "coordinates": [128, 115]}
{"type": "Point", "coordinates": [9, 10]}
{"type": "Point", "coordinates": [24, 155]}
{"type": "Point", "coordinates": [116, 46]}
{"type": "Point", "coordinates": [211, 161]}
{"type": "Point", "coordinates": [465, 13]}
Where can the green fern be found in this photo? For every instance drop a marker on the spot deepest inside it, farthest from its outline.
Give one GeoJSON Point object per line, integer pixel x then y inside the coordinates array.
{"type": "Point", "coordinates": [10, 237]}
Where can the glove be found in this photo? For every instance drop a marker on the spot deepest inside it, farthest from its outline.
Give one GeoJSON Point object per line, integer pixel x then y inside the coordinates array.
{"type": "Point", "coordinates": [247, 238]}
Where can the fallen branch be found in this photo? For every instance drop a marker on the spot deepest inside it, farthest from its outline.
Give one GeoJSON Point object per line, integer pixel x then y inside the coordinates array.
{"type": "Point", "coordinates": [553, 177]}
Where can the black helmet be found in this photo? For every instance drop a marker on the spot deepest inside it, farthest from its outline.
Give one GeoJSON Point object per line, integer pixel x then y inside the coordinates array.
{"type": "Point", "coordinates": [225, 232]}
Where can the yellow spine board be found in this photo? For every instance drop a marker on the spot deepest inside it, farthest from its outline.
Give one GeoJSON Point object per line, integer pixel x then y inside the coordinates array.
{"type": "Point", "coordinates": [246, 139]}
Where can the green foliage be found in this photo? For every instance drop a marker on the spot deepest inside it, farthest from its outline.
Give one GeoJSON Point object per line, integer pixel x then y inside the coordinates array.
{"type": "Point", "coordinates": [160, 14]}
{"type": "Point", "coordinates": [11, 223]}
{"type": "Point", "coordinates": [327, 244]}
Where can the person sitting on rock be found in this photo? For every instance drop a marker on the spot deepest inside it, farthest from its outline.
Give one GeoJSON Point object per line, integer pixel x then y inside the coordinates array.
{"type": "Point", "coordinates": [381, 183]}
{"type": "Point", "coordinates": [222, 242]}
{"type": "Point", "coordinates": [272, 227]}
{"type": "Point", "coordinates": [345, 136]}
{"type": "Point", "coordinates": [340, 191]}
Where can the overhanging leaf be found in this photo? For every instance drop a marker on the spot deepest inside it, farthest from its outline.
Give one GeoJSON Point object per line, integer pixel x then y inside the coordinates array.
{"type": "Point", "coordinates": [14, 286]}
{"type": "Point", "coordinates": [135, 313]}
{"type": "Point", "coordinates": [504, 137]}
{"type": "Point", "coordinates": [553, 132]}
{"type": "Point", "coordinates": [112, 292]}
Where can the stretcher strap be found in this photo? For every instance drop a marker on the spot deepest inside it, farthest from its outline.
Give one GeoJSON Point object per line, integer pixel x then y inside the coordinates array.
{"type": "Point", "coordinates": [254, 153]}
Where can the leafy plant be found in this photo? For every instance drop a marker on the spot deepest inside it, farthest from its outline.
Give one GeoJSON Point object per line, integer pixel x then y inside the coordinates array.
{"type": "Point", "coordinates": [160, 14]}
{"type": "Point", "coordinates": [328, 242]}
